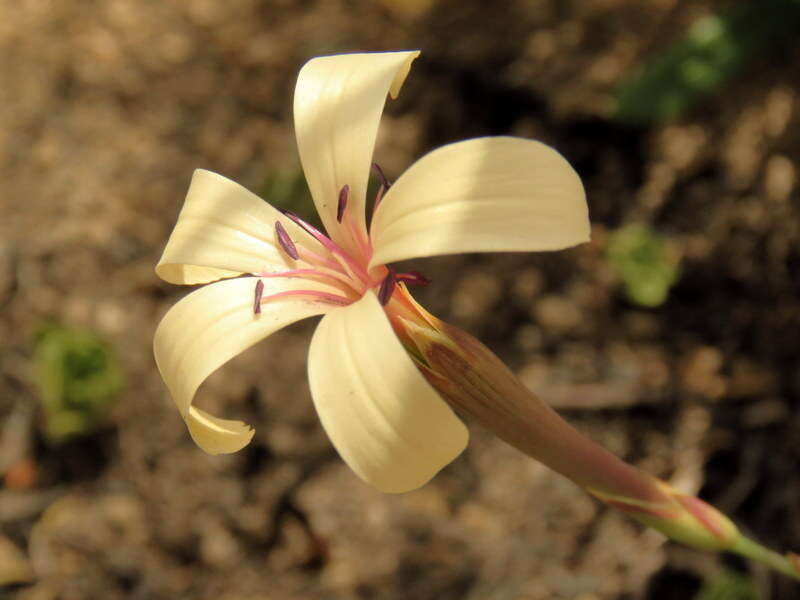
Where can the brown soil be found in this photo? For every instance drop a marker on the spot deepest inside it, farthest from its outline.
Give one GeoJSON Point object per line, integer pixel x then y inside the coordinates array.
{"type": "Point", "coordinates": [105, 110]}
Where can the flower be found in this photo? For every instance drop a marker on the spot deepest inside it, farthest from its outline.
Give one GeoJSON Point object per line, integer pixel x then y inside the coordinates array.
{"type": "Point", "coordinates": [384, 418]}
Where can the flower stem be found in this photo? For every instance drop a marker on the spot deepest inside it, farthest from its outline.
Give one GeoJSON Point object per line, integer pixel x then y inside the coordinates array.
{"type": "Point", "coordinates": [788, 564]}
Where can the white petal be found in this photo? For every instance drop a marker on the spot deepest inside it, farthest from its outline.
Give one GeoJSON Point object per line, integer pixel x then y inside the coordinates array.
{"type": "Point", "coordinates": [338, 103]}
{"type": "Point", "coordinates": [385, 420]}
{"type": "Point", "coordinates": [482, 195]}
{"type": "Point", "coordinates": [209, 327]}
{"type": "Point", "coordinates": [224, 230]}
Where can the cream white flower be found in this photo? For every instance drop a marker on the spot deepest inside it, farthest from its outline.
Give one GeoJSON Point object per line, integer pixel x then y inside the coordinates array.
{"type": "Point", "coordinates": [486, 194]}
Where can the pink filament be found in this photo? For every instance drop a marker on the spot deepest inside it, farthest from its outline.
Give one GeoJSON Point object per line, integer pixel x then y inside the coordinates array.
{"type": "Point", "coordinates": [338, 266]}
{"type": "Point", "coordinates": [318, 272]}
{"type": "Point", "coordinates": [378, 198]}
{"type": "Point", "coordinates": [312, 231]}
{"type": "Point", "coordinates": [413, 278]}
{"type": "Point", "coordinates": [351, 267]}
{"type": "Point", "coordinates": [312, 257]}
{"type": "Point", "coordinates": [384, 182]}
{"type": "Point", "coordinates": [312, 295]}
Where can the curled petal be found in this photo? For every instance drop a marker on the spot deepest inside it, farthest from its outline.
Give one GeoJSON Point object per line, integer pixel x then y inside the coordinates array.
{"type": "Point", "coordinates": [482, 195]}
{"type": "Point", "coordinates": [212, 325]}
{"type": "Point", "coordinates": [224, 230]}
{"type": "Point", "coordinates": [384, 418]}
{"type": "Point", "coordinates": [338, 103]}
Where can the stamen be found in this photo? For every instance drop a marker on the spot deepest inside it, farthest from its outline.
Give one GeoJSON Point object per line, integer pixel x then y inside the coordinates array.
{"type": "Point", "coordinates": [312, 295]}
{"type": "Point", "coordinates": [387, 288]}
{"type": "Point", "coordinates": [385, 185]}
{"type": "Point", "coordinates": [285, 241]}
{"type": "Point", "coordinates": [257, 301]}
{"type": "Point", "coordinates": [297, 219]}
{"type": "Point", "coordinates": [385, 182]}
{"type": "Point", "coordinates": [321, 272]}
{"type": "Point", "coordinates": [413, 277]}
{"type": "Point", "coordinates": [343, 195]}
{"type": "Point", "coordinates": [312, 257]}
{"type": "Point", "coordinates": [378, 197]}
{"type": "Point", "coordinates": [349, 266]}
{"type": "Point", "coordinates": [311, 230]}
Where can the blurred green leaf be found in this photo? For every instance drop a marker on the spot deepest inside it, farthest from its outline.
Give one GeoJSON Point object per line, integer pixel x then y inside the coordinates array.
{"type": "Point", "coordinates": [728, 586]}
{"type": "Point", "coordinates": [714, 49]}
{"type": "Point", "coordinates": [288, 190]}
{"type": "Point", "coordinates": [78, 378]}
{"type": "Point", "coordinates": [645, 261]}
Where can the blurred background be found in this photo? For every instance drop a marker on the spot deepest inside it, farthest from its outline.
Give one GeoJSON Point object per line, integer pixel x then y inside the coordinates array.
{"type": "Point", "coordinates": [672, 338]}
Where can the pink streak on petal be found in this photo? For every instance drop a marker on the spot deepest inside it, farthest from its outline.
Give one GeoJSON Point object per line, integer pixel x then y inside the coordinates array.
{"type": "Point", "coordinates": [631, 507]}
{"type": "Point", "coordinates": [700, 511]}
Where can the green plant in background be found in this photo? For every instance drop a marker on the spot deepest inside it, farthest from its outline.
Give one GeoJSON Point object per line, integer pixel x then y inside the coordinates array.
{"type": "Point", "coordinates": [78, 377]}
{"type": "Point", "coordinates": [647, 263]}
{"type": "Point", "coordinates": [728, 586]}
{"type": "Point", "coordinates": [288, 190]}
{"type": "Point", "coordinates": [715, 48]}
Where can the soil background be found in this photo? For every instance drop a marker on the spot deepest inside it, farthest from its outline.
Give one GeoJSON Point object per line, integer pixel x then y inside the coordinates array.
{"type": "Point", "coordinates": [106, 107]}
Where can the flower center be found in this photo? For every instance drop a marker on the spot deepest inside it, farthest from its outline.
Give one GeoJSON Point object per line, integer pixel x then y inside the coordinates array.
{"type": "Point", "coordinates": [350, 274]}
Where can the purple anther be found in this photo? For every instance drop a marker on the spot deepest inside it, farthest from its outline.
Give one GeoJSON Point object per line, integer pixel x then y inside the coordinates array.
{"type": "Point", "coordinates": [387, 289]}
{"type": "Point", "coordinates": [343, 195]}
{"type": "Point", "coordinates": [257, 301]}
{"type": "Point", "coordinates": [413, 278]}
{"type": "Point", "coordinates": [381, 175]}
{"type": "Point", "coordinates": [285, 241]}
